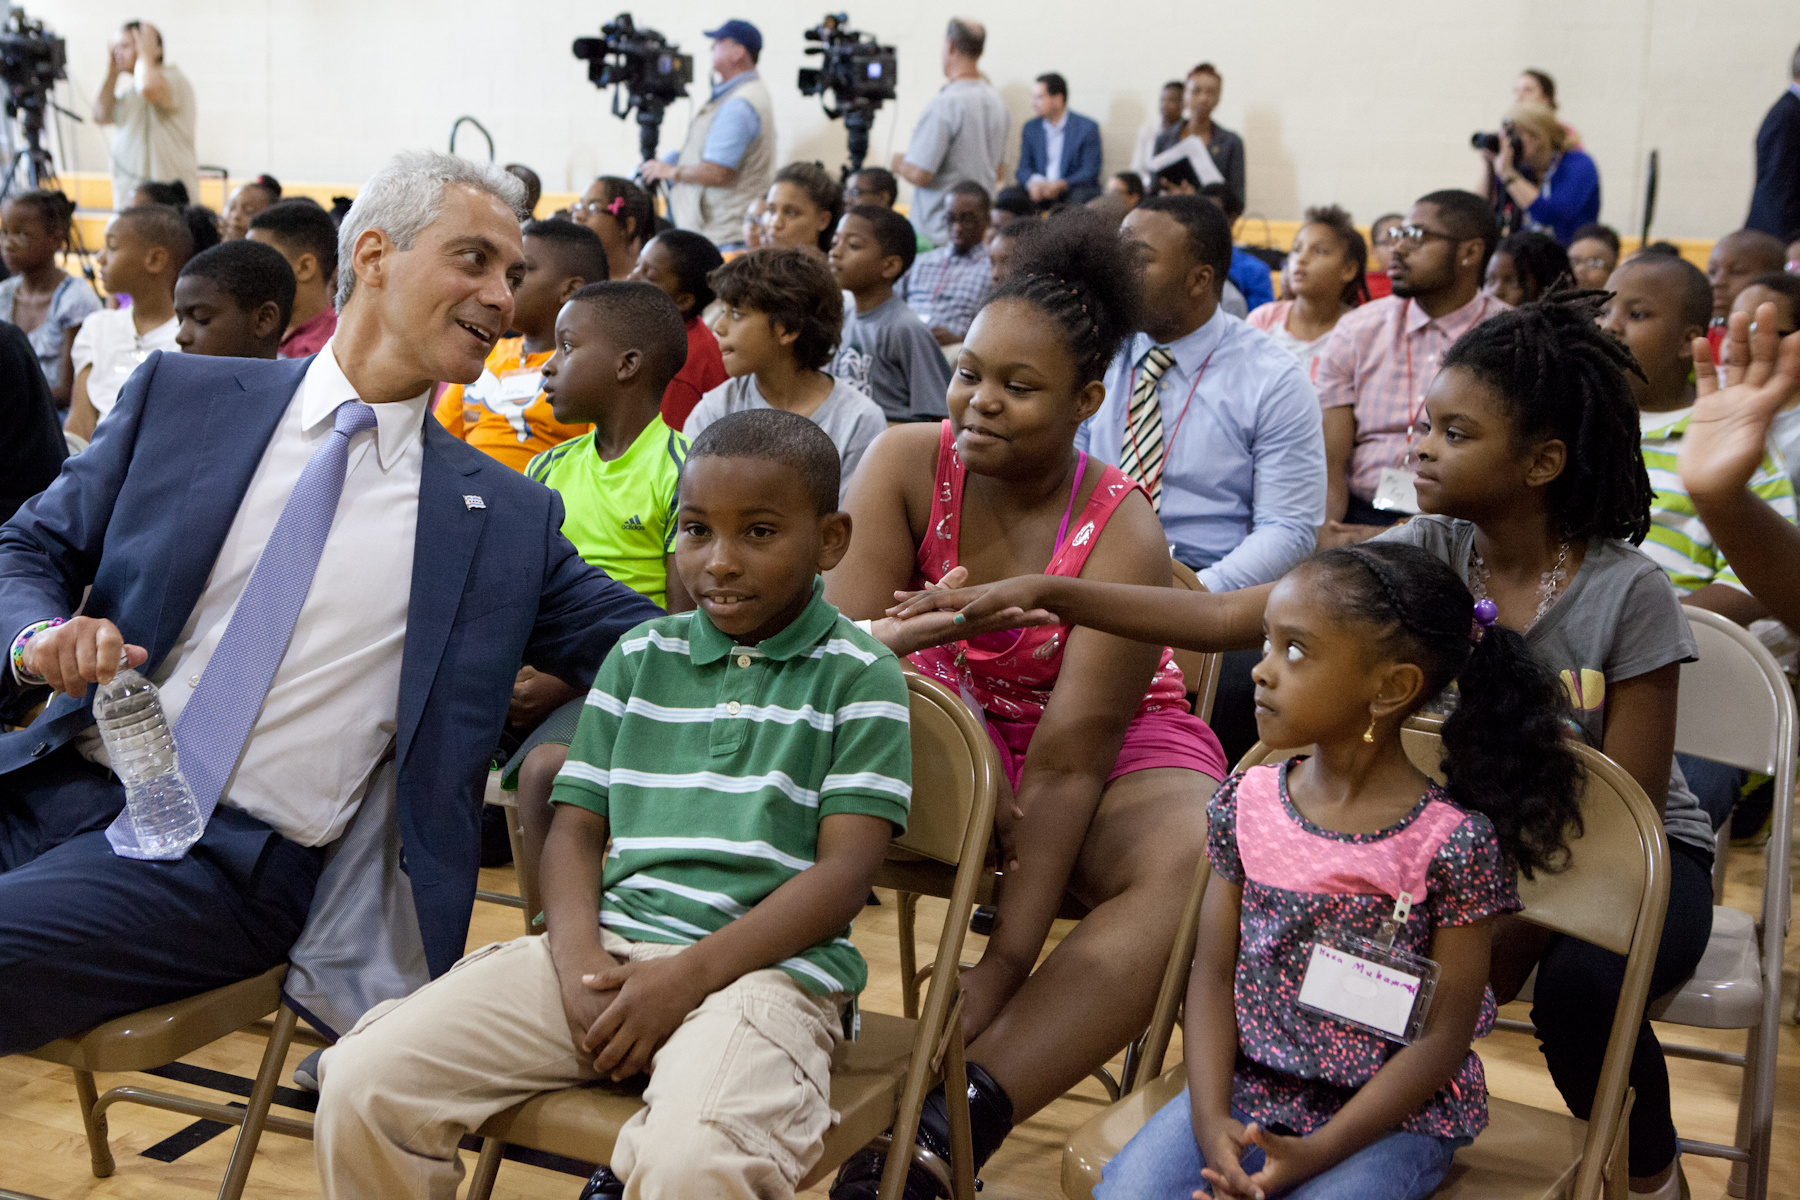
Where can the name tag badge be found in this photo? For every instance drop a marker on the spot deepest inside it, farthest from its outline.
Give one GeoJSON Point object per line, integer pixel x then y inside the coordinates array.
{"type": "Point", "coordinates": [519, 386]}
{"type": "Point", "coordinates": [1369, 985]}
{"type": "Point", "coordinates": [1395, 492]}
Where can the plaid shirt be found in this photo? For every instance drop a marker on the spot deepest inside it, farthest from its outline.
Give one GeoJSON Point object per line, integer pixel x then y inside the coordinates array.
{"type": "Point", "coordinates": [947, 289]}
{"type": "Point", "coordinates": [1379, 361]}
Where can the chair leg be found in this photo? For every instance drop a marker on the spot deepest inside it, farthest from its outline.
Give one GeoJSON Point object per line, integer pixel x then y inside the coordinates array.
{"type": "Point", "coordinates": [487, 1169]}
{"type": "Point", "coordinates": [908, 904]}
{"type": "Point", "coordinates": [95, 1122]}
{"type": "Point", "coordinates": [1128, 1071]}
{"type": "Point", "coordinates": [962, 1134]}
{"type": "Point", "coordinates": [256, 1113]}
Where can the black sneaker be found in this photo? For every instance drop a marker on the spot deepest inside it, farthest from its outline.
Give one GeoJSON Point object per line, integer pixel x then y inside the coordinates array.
{"type": "Point", "coordinates": [860, 1179]}
{"type": "Point", "coordinates": [604, 1186]}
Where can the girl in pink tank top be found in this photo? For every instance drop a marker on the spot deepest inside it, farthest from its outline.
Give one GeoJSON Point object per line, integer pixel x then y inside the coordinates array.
{"type": "Point", "coordinates": [1346, 871]}
{"type": "Point", "coordinates": [1011, 675]}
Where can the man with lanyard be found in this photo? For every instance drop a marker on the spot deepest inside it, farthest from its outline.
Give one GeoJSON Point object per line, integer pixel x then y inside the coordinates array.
{"type": "Point", "coordinates": [948, 286]}
{"type": "Point", "coordinates": [728, 159]}
{"type": "Point", "coordinates": [1216, 421]}
{"type": "Point", "coordinates": [1374, 372]}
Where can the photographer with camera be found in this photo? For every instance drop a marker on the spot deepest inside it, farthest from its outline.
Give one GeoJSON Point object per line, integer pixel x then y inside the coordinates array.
{"type": "Point", "coordinates": [1535, 177]}
{"type": "Point", "coordinates": [728, 159]}
{"type": "Point", "coordinates": [961, 135]}
{"type": "Point", "coordinates": [154, 115]}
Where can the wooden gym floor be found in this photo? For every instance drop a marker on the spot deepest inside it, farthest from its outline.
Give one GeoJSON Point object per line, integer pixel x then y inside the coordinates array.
{"type": "Point", "coordinates": [161, 1157]}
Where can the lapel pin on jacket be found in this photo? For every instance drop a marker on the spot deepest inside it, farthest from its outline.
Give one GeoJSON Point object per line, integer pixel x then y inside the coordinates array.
{"type": "Point", "coordinates": [474, 502]}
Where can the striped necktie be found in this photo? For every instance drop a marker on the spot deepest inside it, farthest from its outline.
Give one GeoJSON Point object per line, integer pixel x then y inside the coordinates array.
{"type": "Point", "coordinates": [216, 721]}
{"type": "Point", "coordinates": [1141, 455]}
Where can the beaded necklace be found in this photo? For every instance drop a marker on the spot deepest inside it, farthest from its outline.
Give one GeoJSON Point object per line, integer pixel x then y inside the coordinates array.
{"type": "Point", "coordinates": [1550, 584]}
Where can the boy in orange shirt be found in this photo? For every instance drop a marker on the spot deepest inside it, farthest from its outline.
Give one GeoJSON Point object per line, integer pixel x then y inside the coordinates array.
{"type": "Point", "coordinates": [504, 413]}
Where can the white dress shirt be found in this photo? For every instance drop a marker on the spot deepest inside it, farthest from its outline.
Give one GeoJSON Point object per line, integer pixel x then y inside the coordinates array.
{"type": "Point", "coordinates": [1053, 148]}
{"type": "Point", "coordinates": [331, 711]}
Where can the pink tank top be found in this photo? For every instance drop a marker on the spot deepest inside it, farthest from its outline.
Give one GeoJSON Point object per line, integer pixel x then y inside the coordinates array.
{"type": "Point", "coordinates": [1012, 674]}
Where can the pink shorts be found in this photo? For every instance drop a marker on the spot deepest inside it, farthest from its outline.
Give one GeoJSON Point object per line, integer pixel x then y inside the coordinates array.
{"type": "Point", "coordinates": [1163, 737]}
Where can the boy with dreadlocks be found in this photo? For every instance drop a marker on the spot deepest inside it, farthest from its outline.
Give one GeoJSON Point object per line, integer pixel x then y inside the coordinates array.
{"type": "Point", "coordinates": [1534, 493]}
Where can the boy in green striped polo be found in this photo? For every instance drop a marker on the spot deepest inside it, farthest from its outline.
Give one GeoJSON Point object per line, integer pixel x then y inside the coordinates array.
{"type": "Point", "coordinates": [731, 789]}
{"type": "Point", "coordinates": [1660, 304]}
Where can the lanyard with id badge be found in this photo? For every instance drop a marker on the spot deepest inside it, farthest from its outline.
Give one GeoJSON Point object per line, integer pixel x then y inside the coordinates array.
{"type": "Point", "coordinates": [1367, 983]}
{"type": "Point", "coordinates": [1395, 489]}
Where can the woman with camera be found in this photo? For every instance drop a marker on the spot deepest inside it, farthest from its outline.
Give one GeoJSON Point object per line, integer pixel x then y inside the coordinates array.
{"type": "Point", "coordinates": [1535, 177]}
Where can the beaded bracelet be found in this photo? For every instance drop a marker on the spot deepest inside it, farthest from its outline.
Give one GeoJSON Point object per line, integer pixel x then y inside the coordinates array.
{"type": "Point", "coordinates": [18, 651]}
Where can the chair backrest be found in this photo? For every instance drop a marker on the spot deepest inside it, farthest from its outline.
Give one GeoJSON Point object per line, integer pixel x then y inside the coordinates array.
{"type": "Point", "coordinates": [1614, 894]}
{"type": "Point", "coordinates": [1199, 671]}
{"type": "Point", "coordinates": [1735, 706]}
{"type": "Point", "coordinates": [954, 767]}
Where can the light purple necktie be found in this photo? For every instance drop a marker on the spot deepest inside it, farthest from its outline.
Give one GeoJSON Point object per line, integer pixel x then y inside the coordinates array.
{"type": "Point", "coordinates": [212, 728]}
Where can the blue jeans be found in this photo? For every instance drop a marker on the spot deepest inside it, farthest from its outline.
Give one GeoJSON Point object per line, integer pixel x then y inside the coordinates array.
{"type": "Point", "coordinates": [1163, 1163]}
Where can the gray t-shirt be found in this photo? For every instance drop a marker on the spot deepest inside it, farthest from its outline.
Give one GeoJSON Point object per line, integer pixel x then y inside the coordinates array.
{"type": "Point", "coordinates": [154, 143]}
{"type": "Point", "coordinates": [960, 136]}
{"type": "Point", "coordinates": [848, 417]}
{"type": "Point", "coordinates": [1619, 618]}
{"type": "Point", "coordinates": [70, 304]}
{"type": "Point", "coordinates": [889, 355]}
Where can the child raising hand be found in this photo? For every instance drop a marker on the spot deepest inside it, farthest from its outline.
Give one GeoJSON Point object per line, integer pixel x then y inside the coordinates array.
{"type": "Point", "coordinates": [1291, 1091]}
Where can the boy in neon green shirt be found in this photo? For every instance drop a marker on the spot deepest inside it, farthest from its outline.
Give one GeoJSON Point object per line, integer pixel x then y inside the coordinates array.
{"type": "Point", "coordinates": [617, 345]}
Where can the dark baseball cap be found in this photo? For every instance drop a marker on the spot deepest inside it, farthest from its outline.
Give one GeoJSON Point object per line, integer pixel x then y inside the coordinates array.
{"type": "Point", "coordinates": [742, 32]}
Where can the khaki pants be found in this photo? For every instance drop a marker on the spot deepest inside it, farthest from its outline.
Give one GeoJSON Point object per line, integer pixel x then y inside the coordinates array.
{"type": "Point", "coordinates": [737, 1099]}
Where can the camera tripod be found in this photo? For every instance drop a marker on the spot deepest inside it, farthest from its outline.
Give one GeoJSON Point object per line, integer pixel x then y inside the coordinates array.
{"type": "Point", "coordinates": [858, 120]}
{"type": "Point", "coordinates": [39, 168]}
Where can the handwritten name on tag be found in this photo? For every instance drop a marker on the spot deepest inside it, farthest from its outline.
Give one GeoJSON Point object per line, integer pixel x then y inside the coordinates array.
{"type": "Point", "coordinates": [1342, 985]}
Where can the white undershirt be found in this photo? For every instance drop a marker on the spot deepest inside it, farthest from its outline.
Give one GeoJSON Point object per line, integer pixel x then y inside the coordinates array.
{"type": "Point", "coordinates": [331, 710]}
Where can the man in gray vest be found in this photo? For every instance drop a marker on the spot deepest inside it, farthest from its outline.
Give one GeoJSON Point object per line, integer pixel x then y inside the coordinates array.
{"type": "Point", "coordinates": [728, 159]}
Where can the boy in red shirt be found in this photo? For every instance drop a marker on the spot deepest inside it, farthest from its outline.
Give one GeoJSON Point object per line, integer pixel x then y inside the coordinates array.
{"type": "Point", "coordinates": [678, 262]}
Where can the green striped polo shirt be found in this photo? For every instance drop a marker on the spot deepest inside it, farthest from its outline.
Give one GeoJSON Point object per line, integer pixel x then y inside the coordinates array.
{"type": "Point", "coordinates": [713, 764]}
{"type": "Point", "coordinates": [1679, 542]}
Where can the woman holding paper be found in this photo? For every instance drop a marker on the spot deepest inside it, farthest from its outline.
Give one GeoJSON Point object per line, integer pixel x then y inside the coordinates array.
{"type": "Point", "coordinates": [1216, 152]}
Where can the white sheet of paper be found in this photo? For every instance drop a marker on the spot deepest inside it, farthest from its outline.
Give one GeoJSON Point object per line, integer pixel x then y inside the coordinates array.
{"type": "Point", "coordinates": [1396, 491]}
{"type": "Point", "coordinates": [1195, 151]}
{"type": "Point", "coordinates": [1344, 985]}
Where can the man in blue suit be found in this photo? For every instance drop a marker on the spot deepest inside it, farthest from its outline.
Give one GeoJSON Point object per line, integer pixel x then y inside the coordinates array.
{"type": "Point", "coordinates": [1059, 151]}
{"type": "Point", "coordinates": [1775, 204]}
{"type": "Point", "coordinates": [333, 595]}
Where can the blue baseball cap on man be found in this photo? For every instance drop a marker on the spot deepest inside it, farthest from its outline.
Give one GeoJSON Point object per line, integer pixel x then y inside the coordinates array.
{"type": "Point", "coordinates": [742, 32]}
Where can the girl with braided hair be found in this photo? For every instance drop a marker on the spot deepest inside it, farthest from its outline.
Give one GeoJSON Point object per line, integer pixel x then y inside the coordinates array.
{"type": "Point", "coordinates": [1535, 495]}
{"type": "Point", "coordinates": [38, 296]}
{"type": "Point", "coordinates": [1109, 771]}
{"type": "Point", "coordinates": [1287, 1097]}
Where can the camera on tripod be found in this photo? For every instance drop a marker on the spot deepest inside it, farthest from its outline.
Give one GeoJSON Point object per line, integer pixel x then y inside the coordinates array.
{"type": "Point", "coordinates": [857, 71]}
{"type": "Point", "coordinates": [32, 60]}
{"type": "Point", "coordinates": [645, 70]}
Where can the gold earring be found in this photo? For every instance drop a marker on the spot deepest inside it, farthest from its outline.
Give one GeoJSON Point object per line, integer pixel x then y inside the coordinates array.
{"type": "Point", "coordinates": [1369, 733]}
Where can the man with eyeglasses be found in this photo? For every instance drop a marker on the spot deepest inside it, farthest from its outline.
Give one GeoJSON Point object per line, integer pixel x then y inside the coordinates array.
{"type": "Point", "coordinates": [728, 159]}
{"type": "Point", "coordinates": [1381, 359]}
{"type": "Point", "coordinates": [946, 287]}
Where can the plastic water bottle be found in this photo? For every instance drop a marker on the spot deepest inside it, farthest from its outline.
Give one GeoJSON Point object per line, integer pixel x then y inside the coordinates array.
{"type": "Point", "coordinates": [141, 747]}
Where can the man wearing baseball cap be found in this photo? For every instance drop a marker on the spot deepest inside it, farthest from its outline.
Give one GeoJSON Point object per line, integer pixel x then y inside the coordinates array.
{"type": "Point", "coordinates": [728, 159]}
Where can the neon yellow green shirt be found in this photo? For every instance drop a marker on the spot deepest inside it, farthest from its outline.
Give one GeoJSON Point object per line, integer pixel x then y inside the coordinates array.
{"type": "Point", "coordinates": [620, 515]}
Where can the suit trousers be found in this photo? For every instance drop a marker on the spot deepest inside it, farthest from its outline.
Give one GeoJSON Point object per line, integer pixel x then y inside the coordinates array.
{"type": "Point", "coordinates": [737, 1100]}
{"type": "Point", "coordinates": [86, 936]}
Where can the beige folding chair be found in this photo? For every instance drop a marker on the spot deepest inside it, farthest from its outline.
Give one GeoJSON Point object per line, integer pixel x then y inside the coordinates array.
{"type": "Point", "coordinates": [1736, 707]}
{"type": "Point", "coordinates": [1199, 671]}
{"type": "Point", "coordinates": [528, 898]}
{"type": "Point", "coordinates": [1525, 1151]}
{"type": "Point", "coordinates": [885, 1074]}
{"type": "Point", "coordinates": [158, 1036]}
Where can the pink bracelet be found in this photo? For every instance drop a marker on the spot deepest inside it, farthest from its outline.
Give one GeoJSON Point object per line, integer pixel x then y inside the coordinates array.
{"type": "Point", "coordinates": [18, 651]}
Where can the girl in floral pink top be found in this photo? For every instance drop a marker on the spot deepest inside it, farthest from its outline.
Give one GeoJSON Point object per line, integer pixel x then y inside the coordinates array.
{"type": "Point", "coordinates": [1320, 861]}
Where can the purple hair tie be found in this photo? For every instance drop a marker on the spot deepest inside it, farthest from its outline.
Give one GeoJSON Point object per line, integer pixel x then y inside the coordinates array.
{"type": "Point", "coordinates": [1486, 613]}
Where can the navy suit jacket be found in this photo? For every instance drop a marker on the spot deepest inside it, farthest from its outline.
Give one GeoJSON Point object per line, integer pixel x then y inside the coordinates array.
{"type": "Point", "coordinates": [1080, 156]}
{"type": "Point", "coordinates": [1775, 204]}
{"type": "Point", "coordinates": [141, 516]}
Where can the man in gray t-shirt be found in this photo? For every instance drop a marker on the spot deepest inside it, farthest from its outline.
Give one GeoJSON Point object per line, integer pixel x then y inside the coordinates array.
{"type": "Point", "coordinates": [960, 136]}
{"type": "Point", "coordinates": [888, 353]}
